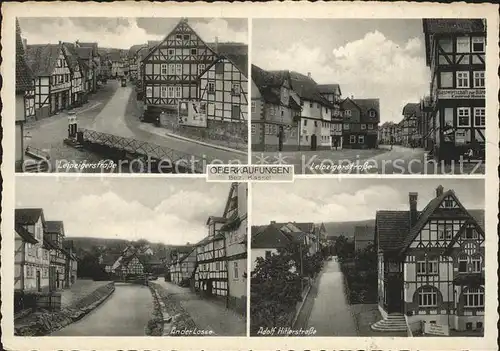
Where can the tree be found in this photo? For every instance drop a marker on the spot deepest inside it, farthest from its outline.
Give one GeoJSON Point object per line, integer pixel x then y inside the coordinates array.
{"type": "Point", "coordinates": [344, 248]}
{"type": "Point", "coordinates": [275, 290]}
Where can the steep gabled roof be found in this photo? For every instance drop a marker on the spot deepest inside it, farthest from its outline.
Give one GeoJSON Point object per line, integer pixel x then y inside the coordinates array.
{"type": "Point", "coordinates": [28, 216]}
{"type": "Point", "coordinates": [269, 237]}
{"type": "Point", "coordinates": [368, 104]}
{"type": "Point", "coordinates": [411, 109]}
{"type": "Point", "coordinates": [391, 228]}
{"type": "Point", "coordinates": [42, 59]}
{"type": "Point", "coordinates": [93, 46]}
{"type": "Point", "coordinates": [24, 234]}
{"type": "Point", "coordinates": [184, 22]}
{"type": "Point", "coordinates": [307, 88]}
{"type": "Point", "coordinates": [329, 88]}
{"type": "Point", "coordinates": [54, 227]}
{"type": "Point", "coordinates": [229, 48]}
{"type": "Point", "coordinates": [133, 50]}
{"type": "Point", "coordinates": [71, 55]}
{"type": "Point", "coordinates": [24, 76]}
{"type": "Point", "coordinates": [84, 53]}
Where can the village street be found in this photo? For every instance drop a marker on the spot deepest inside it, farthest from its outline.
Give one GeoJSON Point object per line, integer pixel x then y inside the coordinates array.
{"type": "Point", "coordinates": [125, 312]}
{"type": "Point", "coordinates": [114, 110]}
{"type": "Point", "coordinates": [326, 308]}
{"type": "Point", "coordinates": [384, 160]}
{"type": "Point", "coordinates": [206, 314]}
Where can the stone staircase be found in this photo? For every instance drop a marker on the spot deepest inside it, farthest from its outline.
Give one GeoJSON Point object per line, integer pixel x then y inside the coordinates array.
{"type": "Point", "coordinates": [394, 322]}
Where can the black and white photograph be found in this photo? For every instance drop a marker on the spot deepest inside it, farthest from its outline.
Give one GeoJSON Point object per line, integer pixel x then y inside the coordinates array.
{"type": "Point", "coordinates": [383, 96]}
{"type": "Point", "coordinates": [129, 257]}
{"type": "Point", "coordinates": [130, 95]}
{"type": "Point", "coordinates": [368, 258]}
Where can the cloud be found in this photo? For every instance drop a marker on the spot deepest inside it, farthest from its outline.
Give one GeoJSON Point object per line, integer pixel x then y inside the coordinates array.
{"type": "Point", "coordinates": [119, 33]}
{"type": "Point", "coordinates": [371, 67]}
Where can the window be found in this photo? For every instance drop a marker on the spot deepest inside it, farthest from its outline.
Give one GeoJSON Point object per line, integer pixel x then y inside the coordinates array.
{"type": "Point", "coordinates": [477, 44]}
{"type": "Point", "coordinates": [370, 126]}
{"type": "Point", "coordinates": [170, 92]}
{"type": "Point", "coordinates": [448, 203]}
{"type": "Point", "coordinates": [235, 89]}
{"type": "Point", "coordinates": [178, 92]}
{"type": "Point", "coordinates": [201, 69]}
{"type": "Point", "coordinates": [427, 267]}
{"type": "Point", "coordinates": [305, 122]}
{"type": "Point", "coordinates": [446, 80]}
{"type": "Point", "coordinates": [315, 123]}
{"type": "Point", "coordinates": [474, 297]}
{"type": "Point", "coordinates": [254, 106]}
{"type": "Point", "coordinates": [310, 104]}
{"type": "Point", "coordinates": [363, 126]}
{"type": "Point", "coordinates": [171, 69]}
{"type": "Point", "coordinates": [352, 139]}
{"type": "Point", "coordinates": [470, 233]}
{"type": "Point", "coordinates": [178, 69]}
{"type": "Point", "coordinates": [445, 232]}
{"type": "Point", "coordinates": [164, 69]}
{"type": "Point", "coordinates": [476, 264]}
{"type": "Point", "coordinates": [235, 267]}
{"type": "Point", "coordinates": [186, 36]}
{"type": "Point", "coordinates": [427, 297]}
{"type": "Point", "coordinates": [194, 52]}
{"type": "Point", "coordinates": [372, 113]}
{"type": "Point", "coordinates": [479, 79]}
{"type": "Point", "coordinates": [462, 263]}
{"type": "Point", "coordinates": [479, 116]}
{"type": "Point", "coordinates": [463, 117]}
{"type": "Point", "coordinates": [361, 139]}
{"type": "Point", "coordinates": [253, 128]}
{"type": "Point", "coordinates": [347, 112]}
{"type": "Point", "coordinates": [178, 37]}
{"type": "Point", "coordinates": [211, 87]}
{"type": "Point", "coordinates": [463, 44]}
{"type": "Point", "coordinates": [346, 126]}
{"type": "Point", "coordinates": [462, 79]}
{"type": "Point", "coordinates": [171, 52]}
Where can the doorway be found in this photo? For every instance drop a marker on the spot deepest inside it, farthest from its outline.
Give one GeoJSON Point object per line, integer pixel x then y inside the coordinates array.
{"type": "Point", "coordinates": [38, 282]}
{"type": "Point", "coordinates": [314, 142]}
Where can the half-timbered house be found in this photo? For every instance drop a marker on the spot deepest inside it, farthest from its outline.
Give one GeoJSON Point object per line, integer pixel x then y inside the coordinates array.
{"type": "Point", "coordinates": [223, 87]}
{"type": "Point", "coordinates": [316, 114]}
{"type": "Point", "coordinates": [31, 258]}
{"type": "Point", "coordinates": [211, 265]}
{"type": "Point", "coordinates": [431, 264]}
{"type": "Point", "coordinates": [182, 269]}
{"type": "Point", "coordinates": [130, 266]}
{"type": "Point", "coordinates": [53, 239]}
{"type": "Point", "coordinates": [275, 111]}
{"type": "Point", "coordinates": [25, 98]}
{"type": "Point", "coordinates": [361, 118]}
{"type": "Point", "coordinates": [172, 68]}
{"type": "Point", "coordinates": [77, 78]}
{"type": "Point", "coordinates": [235, 231]}
{"type": "Point", "coordinates": [455, 53]}
{"type": "Point", "coordinates": [333, 94]}
{"type": "Point", "coordinates": [89, 53]}
{"type": "Point", "coordinates": [52, 75]}
{"type": "Point", "coordinates": [411, 125]}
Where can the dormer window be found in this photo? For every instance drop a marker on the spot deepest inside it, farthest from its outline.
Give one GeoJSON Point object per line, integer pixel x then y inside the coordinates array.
{"type": "Point", "coordinates": [347, 113]}
{"type": "Point", "coordinates": [477, 44]}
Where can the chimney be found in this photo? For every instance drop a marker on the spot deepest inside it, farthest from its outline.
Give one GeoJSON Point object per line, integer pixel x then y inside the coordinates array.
{"type": "Point", "coordinates": [25, 43]}
{"type": "Point", "coordinates": [352, 97]}
{"type": "Point", "coordinates": [309, 74]}
{"type": "Point", "coordinates": [216, 46]}
{"type": "Point", "coordinates": [439, 191]}
{"type": "Point", "coordinates": [273, 222]}
{"type": "Point", "coordinates": [413, 208]}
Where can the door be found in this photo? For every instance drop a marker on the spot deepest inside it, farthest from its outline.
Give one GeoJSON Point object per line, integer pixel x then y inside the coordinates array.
{"type": "Point", "coordinates": [314, 142]}
{"type": "Point", "coordinates": [394, 296]}
{"type": "Point", "coordinates": [38, 282]}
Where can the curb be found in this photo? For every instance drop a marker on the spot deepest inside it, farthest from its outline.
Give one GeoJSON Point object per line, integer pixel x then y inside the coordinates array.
{"type": "Point", "coordinates": [213, 146]}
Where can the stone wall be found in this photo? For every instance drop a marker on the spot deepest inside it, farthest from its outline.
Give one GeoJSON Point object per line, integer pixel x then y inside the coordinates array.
{"type": "Point", "coordinates": [44, 323]}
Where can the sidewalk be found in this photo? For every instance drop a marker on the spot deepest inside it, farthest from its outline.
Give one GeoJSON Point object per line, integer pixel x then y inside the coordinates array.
{"type": "Point", "coordinates": [206, 314]}
{"type": "Point", "coordinates": [166, 132]}
{"type": "Point", "coordinates": [79, 290]}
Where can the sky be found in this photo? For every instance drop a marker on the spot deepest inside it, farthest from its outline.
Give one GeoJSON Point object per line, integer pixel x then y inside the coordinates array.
{"type": "Point", "coordinates": [160, 210]}
{"type": "Point", "coordinates": [344, 200]}
{"type": "Point", "coordinates": [369, 58]}
{"type": "Point", "coordinates": [122, 33]}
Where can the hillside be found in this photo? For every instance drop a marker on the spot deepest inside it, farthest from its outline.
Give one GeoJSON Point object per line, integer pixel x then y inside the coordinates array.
{"type": "Point", "coordinates": [346, 228]}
